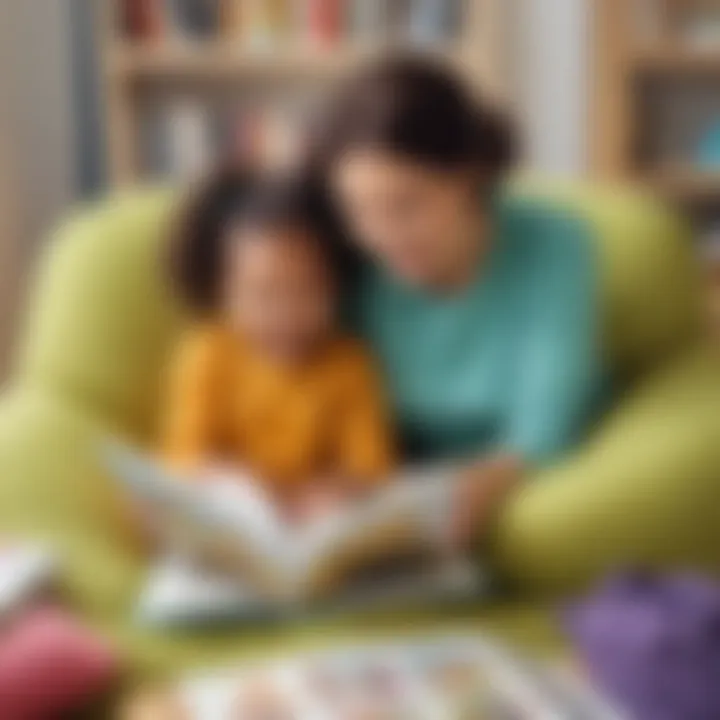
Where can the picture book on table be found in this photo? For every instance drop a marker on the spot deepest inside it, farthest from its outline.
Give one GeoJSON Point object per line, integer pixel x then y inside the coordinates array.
{"type": "Point", "coordinates": [440, 677]}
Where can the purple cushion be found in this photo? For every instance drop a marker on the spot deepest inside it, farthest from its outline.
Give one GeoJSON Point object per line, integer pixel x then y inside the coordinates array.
{"type": "Point", "coordinates": [653, 644]}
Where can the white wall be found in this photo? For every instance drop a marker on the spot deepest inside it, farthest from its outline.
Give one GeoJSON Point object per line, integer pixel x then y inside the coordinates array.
{"type": "Point", "coordinates": [36, 39]}
{"type": "Point", "coordinates": [553, 62]}
{"type": "Point", "coordinates": [37, 154]}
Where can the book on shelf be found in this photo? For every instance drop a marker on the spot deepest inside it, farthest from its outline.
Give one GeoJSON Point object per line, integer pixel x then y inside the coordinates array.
{"type": "Point", "coordinates": [193, 19]}
{"type": "Point", "coordinates": [367, 20]}
{"type": "Point", "coordinates": [266, 23]}
{"type": "Point", "coordinates": [413, 22]}
{"type": "Point", "coordinates": [177, 138]}
{"type": "Point", "coordinates": [325, 21]}
{"type": "Point", "coordinates": [269, 24]}
{"type": "Point", "coordinates": [434, 21]}
{"type": "Point", "coordinates": [237, 553]}
{"type": "Point", "coordinates": [143, 19]}
{"type": "Point", "coordinates": [398, 19]}
{"type": "Point", "coordinates": [232, 18]}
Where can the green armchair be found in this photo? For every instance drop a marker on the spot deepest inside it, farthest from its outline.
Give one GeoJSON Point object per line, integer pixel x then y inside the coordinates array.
{"type": "Point", "coordinates": [644, 488]}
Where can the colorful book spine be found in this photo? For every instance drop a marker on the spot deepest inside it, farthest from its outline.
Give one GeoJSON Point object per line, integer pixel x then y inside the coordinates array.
{"type": "Point", "coordinates": [278, 19]}
{"type": "Point", "coordinates": [194, 18]}
{"type": "Point", "coordinates": [325, 21]}
{"type": "Point", "coordinates": [434, 21]}
{"type": "Point", "coordinates": [267, 22]}
{"type": "Point", "coordinates": [232, 18]}
{"type": "Point", "coordinates": [144, 19]}
{"type": "Point", "coordinates": [399, 17]}
{"type": "Point", "coordinates": [367, 20]}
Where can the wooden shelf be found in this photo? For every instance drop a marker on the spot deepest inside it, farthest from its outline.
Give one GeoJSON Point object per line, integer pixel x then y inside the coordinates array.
{"type": "Point", "coordinates": [223, 59]}
{"type": "Point", "coordinates": [677, 60]}
{"type": "Point", "coordinates": [626, 50]}
{"type": "Point", "coordinates": [686, 183]}
{"type": "Point", "coordinates": [217, 64]}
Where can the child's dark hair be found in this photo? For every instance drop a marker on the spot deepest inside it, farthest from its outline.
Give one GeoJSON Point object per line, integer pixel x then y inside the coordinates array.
{"type": "Point", "coordinates": [232, 195]}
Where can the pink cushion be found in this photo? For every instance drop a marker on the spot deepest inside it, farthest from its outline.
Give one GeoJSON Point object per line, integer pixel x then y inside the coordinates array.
{"type": "Point", "coordinates": [50, 665]}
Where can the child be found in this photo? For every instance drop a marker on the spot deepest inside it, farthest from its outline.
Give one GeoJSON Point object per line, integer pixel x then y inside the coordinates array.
{"type": "Point", "coordinates": [267, 382]}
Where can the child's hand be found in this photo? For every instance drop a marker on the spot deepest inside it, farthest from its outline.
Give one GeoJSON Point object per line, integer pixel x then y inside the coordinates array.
{"type": "Point", "coordinates": [318, 502]}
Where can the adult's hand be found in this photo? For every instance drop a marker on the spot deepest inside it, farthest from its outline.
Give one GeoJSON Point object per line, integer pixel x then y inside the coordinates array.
{"type": "Point", "coordinates": [480, 492]}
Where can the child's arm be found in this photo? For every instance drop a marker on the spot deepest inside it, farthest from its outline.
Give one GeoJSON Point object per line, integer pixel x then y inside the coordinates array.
{"type": "Point", "coordinates": [189, 426]}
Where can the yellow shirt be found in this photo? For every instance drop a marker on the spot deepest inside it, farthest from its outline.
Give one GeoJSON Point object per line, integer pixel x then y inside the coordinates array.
{"type": "Point", "coordinates": [287, 425]}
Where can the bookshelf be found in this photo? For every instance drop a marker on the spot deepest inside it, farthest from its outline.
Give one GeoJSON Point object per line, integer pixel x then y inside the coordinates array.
{"type": "Point", "coordinates": [644, 49]}
{"type": "Point", "coordinates": [225, 62]}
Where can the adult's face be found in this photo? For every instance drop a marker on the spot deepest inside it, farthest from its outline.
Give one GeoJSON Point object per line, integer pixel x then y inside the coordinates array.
{"type": "Point", "coordinates": [420, 222]}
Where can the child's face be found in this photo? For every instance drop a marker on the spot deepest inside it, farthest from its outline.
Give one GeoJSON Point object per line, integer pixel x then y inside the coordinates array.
{"type": "Point", "coordinates": [279, 291]}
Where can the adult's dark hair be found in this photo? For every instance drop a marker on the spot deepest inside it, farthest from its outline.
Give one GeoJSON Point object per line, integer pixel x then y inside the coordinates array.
{"type": "Point", "coordinates": [417, 107]}
{"type": "Point", "coordinates": [232, 195]}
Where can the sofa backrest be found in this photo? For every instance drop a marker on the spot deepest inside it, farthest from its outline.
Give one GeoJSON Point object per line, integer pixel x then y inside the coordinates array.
{"type": "Point", "coordinates": [102, 321]}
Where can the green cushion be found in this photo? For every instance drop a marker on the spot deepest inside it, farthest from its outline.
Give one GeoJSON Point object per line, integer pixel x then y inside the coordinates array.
{"type": "Point", "coordinates": [102, 323]}
{"type": "Point", "coordinates": [644, 490]}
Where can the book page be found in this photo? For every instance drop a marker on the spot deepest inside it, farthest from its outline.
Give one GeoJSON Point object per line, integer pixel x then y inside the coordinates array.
{"type": "Point", "coordinates": [229, 523]}
{"type": "Point", "coordinates": [410, 514]}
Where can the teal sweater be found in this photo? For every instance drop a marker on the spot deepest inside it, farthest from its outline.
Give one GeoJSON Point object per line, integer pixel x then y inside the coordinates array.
{"type": "Point", "coordinates": [510, 362]}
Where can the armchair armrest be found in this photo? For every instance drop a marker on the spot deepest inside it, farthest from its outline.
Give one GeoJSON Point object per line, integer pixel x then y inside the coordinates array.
{"type": "Point", "coordinates": [645, 490]}
{"type": "Point", "coordinates": [52, 490]}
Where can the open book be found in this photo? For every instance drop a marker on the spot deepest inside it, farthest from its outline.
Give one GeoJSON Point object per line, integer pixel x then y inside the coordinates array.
{"type": "Point", "coordinates": [231, 530]}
